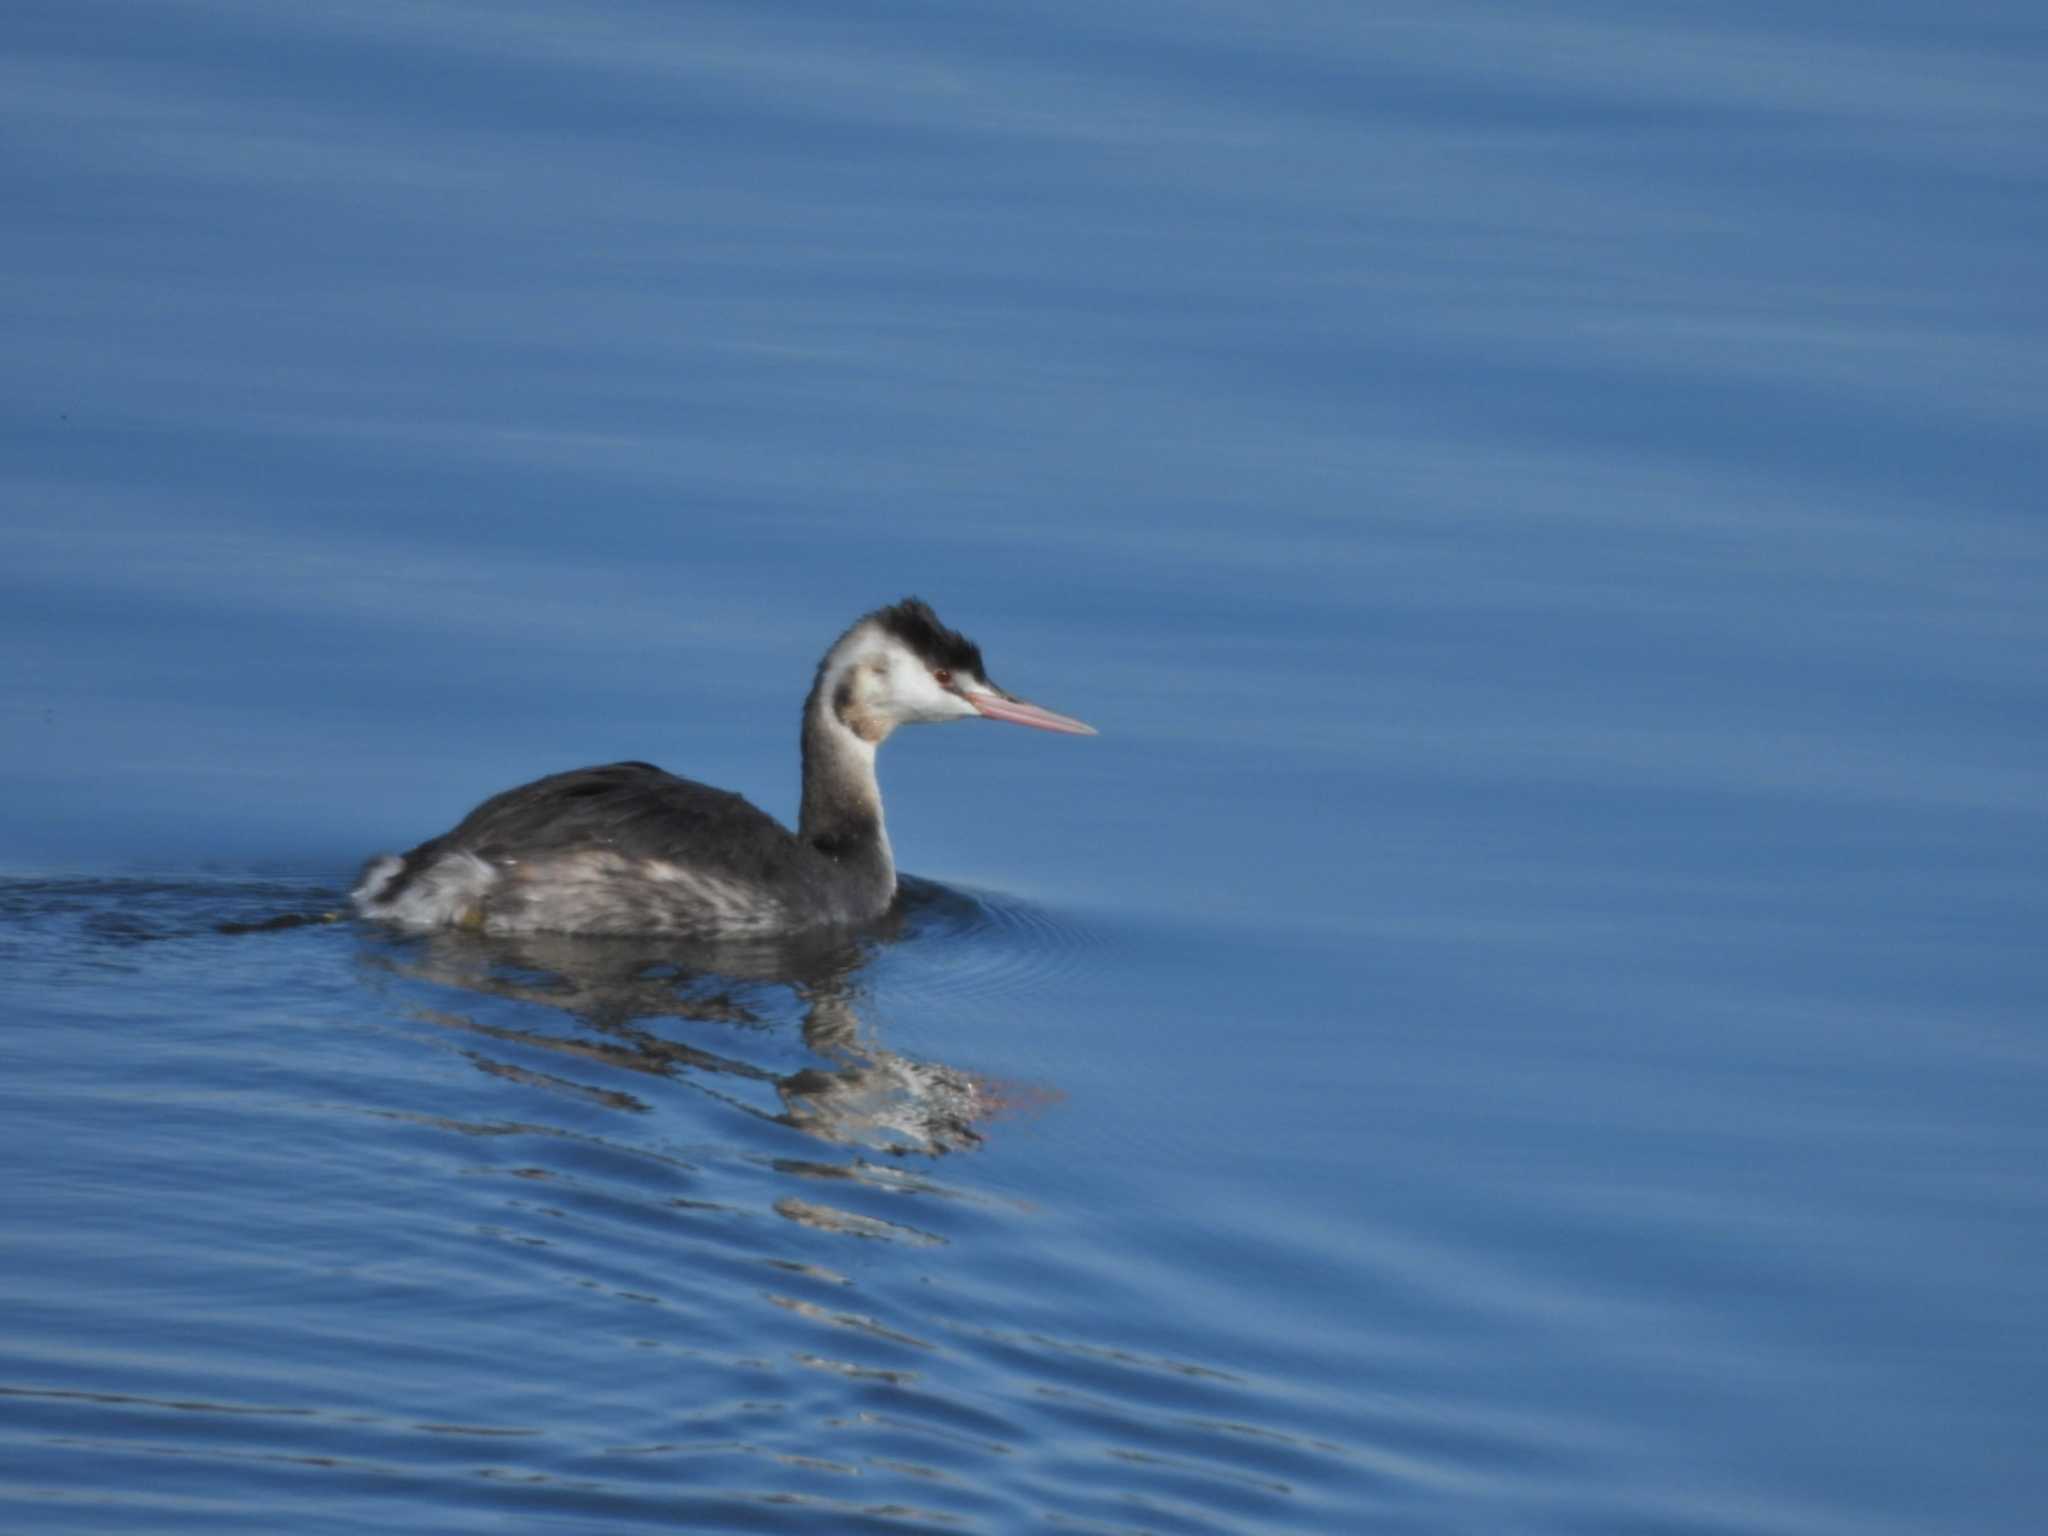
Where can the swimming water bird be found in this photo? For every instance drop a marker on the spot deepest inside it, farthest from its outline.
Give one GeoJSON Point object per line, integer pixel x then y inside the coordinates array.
{"type": "Point", "coordinates": [627, 848]}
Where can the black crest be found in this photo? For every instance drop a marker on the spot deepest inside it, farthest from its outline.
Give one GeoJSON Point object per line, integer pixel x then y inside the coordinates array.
{"type": "Point", "coordinates": [913, 622]}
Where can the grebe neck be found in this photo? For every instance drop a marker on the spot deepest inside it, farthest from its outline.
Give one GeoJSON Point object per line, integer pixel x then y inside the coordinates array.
{"type": "Point", "coordinates": [841, 816]}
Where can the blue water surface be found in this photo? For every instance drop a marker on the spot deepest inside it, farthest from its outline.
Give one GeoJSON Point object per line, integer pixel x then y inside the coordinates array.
{"type": "Point", "coordinates": [1529, 1016]}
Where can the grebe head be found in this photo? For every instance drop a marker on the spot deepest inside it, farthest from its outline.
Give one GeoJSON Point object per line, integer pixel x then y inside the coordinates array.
{"type": "Point", "coordinates": [901, 666]}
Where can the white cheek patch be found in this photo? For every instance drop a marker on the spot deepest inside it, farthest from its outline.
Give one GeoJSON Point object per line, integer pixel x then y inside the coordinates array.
{"type": "Point", "coordinates": [923, 700]}
{"type": "Point", "coordinates": [874, 683]}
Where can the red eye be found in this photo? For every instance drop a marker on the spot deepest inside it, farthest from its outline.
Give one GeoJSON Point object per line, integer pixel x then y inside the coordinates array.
{"type": "Point", "coordinates": [943, 678]}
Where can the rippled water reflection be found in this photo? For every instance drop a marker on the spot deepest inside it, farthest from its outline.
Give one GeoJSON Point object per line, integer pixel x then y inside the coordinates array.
{"type": "Point", "coordinates": [584, 1221]}
{"type": "Point", "coordinates": [848, 1089]}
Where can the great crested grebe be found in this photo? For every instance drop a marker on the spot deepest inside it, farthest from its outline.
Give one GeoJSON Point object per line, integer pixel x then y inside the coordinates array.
{"type": "Point", "coordinates": [627, 848]}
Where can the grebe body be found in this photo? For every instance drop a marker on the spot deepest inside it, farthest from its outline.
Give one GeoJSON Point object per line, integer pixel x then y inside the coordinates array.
{"type": "Point", "coordinates": [627, 848]}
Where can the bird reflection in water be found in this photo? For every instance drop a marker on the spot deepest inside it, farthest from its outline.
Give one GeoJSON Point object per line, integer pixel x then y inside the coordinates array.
{"type": "Point", "coordinates": [854, 1092]}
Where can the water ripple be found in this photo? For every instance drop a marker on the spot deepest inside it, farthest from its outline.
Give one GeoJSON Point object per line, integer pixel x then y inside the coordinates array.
{"type": "Point", "coordinates": [595, 1238]}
